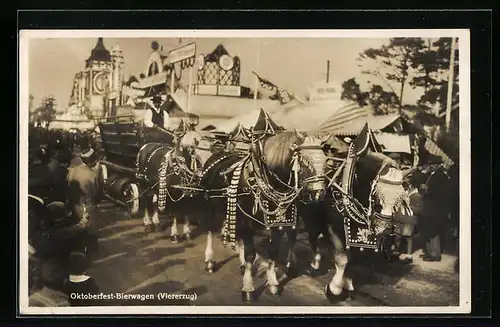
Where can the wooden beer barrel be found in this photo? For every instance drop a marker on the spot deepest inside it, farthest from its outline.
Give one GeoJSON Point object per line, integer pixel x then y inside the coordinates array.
{"type": "Point", "coordinates": [124, 191]}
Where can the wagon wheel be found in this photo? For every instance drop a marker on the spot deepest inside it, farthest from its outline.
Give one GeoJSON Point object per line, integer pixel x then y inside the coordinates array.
{"type": "Point", "coordinates": [131, 198]}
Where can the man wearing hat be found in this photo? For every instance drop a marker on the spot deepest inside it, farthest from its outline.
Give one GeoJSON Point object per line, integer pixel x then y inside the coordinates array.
{"type": "Point", "coordinates": [83, 189]}
{"type": "Point", "coordinates": [155, 120]}
{"type": "Point", "coordinates": [155, 116]}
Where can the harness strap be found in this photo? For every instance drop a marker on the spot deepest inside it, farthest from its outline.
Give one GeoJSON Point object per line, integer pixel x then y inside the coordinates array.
{"type": "Point", "coordinates": [232, 194]}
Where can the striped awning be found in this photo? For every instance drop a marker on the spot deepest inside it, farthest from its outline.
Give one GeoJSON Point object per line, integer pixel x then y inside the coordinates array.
{"type": "Point", "coordinates": [434, 149]}
{"type": "Point", "coordinates": [351, 119]}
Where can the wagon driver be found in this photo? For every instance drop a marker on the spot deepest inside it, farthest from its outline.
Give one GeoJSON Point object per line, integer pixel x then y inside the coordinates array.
{"type": "Point", "coordinates": [156, 118]}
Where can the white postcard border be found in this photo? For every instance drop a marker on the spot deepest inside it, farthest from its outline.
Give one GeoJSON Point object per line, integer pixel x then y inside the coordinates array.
{"type": "Point", "coordinates": [465, 173]}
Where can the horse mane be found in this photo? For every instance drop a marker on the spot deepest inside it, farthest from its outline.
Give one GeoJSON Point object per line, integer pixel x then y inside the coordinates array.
{"type": "Point", "coordinates": [373, 161]}
{"type": "Point", "coordinates": [276, 150]}
{"type": "Point", "coordinates": [368, 167]}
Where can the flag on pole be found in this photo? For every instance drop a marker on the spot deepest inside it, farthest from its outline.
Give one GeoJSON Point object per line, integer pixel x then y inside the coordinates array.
{"type": "Point", "coordinates": [273, 91]}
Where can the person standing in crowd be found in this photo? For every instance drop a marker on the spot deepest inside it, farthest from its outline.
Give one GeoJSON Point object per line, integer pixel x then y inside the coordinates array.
{"type": "Point", "coordinates": [433, 212]}
{"type": "Point", "coordinates": [406, 220]}
{"type": "Point", "coordinates": [83, 192]}
{"type": "Point", "coordinates": [46, 179]}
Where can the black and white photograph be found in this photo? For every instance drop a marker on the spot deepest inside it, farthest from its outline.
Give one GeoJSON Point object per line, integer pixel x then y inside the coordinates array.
{"type": "Point", "coordinates": [244, 172]}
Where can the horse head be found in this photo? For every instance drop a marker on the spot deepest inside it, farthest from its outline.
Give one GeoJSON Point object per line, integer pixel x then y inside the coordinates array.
{"type": "Point", "coordinates": [379, 186]}
{"type": "Point", "coordinates": [299, 158]}
{"type": "Point", "coordinates": [185, 149]}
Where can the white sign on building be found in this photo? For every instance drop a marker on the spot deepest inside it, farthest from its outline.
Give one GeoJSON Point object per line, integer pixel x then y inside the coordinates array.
{"type": "Point", "coordinates": [324, 92]}
{"type": "Point", "coordinates": [183, 53]}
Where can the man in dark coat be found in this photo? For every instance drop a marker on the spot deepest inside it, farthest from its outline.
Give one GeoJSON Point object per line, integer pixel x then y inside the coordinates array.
{"type": "Point", "coordinates": [433, 222]}
{"type": "Point", "coordinates": [83, 192]}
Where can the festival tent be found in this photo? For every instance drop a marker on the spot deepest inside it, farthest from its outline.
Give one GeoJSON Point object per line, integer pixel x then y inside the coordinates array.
{"type": "Point", "coordinates": [394, 132]}
{"type": "Point", "coordinates": [349, 121]}
{"type": "Point", "coordinates": [215, 110]}
{"type": "Point", "coordinates": [293, 115]}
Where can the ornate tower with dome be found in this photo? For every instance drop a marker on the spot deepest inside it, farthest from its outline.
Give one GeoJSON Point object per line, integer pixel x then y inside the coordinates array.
{"type": "Point", "coordinates": [97, 87]}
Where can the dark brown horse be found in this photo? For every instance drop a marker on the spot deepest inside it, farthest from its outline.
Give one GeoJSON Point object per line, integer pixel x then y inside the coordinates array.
{"type": "Point", "coordinates": [262, 190]}
{"type": "Point", "coordinates": [358, 213]}
{"type": "Point", "coordinates": [171, 173]}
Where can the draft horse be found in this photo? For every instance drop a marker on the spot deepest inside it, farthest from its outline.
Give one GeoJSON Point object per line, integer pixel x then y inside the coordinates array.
{"type": "Point", "coordinates": [358, 213]}
{"type": "Point", "coordinates": [262, 190]}
{"type": "Point", "coordinates": [168, 171]}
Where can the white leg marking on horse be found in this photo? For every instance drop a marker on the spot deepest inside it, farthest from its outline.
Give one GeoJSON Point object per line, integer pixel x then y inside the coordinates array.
{"type": "Point", "coordinates": [209, 251]}
{"type": "Point", "coordinates": [156, 219]}
{"type": "Point", "coordinates": [337, 283]}
{"type": "Point", "coordinates": [248, 279]}
{"type": "Point", "coordinates": [272, 279]}
{"type": "Point", "coordinates": [242, 253]}
{"type": "Point", "coordinates": [316, 262]}
{"type": "Point", "coordinates": [186, 229]}
{"type": "Point", "coordinates": [146, 218]}
{"type": "Point", "coordinates": [174, 228]}
{"type": "Point", "coordinates": [348, 284]}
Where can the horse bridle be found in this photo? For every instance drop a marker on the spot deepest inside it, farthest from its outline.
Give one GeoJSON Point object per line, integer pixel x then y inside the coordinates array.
{"type": "Point", "coordinates": [297, 155]}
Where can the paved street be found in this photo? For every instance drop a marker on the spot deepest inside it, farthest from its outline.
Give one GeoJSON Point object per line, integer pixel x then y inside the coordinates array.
{"type": "Point", "coordinates": [132, 262]}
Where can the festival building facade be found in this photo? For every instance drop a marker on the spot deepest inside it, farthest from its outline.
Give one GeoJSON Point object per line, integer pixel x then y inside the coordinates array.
{"type": "Point", "coordinates": [97, 88]}
{"type": "Point", "coordinates": [215, 95]}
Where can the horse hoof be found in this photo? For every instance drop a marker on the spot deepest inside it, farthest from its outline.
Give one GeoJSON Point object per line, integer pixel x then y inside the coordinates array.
{"type": "Point", "coordinates": [313, 272]}
{"type": "Point", "coordinates": [274, 290]}
{"type": "Point", "coordinates": [187, 237]}
{"type": "Point", "coordinates": [242, 270]}
{"type": "Point", "coordinates": [247, 297]}
{"type": "Point", "coordinates": [350, 295]}
{"type": "Point", "coordinates": [210, 267]}
{"type": "Point", "coordinates": [174, 239]}
{"type": "Point", "coordinates": [332, 298]}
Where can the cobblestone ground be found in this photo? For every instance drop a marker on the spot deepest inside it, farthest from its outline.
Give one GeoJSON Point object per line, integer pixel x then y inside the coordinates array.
{"type": "Point", "coordinates": [130, 261]}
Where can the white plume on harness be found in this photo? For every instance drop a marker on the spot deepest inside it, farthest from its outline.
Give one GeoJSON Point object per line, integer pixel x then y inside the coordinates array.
{"type": "Point", "coordinates": [313, 159]}
{"type": "Point", "coordinates": [389, 189]}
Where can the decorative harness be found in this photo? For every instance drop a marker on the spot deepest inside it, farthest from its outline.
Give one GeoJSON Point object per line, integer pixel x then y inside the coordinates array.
{"type": "Point", "coordinates": [173, 164]}
{"type": "Point", "coordinates": [363, 227]}
{"type": "Point", "coordinates": [278, 208]}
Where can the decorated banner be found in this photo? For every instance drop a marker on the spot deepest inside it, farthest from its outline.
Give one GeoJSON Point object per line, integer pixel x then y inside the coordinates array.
{"type": "Point", "coordinates": [272, 91]}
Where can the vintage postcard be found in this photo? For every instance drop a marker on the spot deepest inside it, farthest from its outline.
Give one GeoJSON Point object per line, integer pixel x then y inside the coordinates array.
{"type": "Point", "coordinates": [244, 172]}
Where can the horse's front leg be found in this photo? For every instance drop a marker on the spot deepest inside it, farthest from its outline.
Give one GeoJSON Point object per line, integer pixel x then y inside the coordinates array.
{"type": "Point", "coordinates": [155, 217]}
{"type": "Point", "coordinates": [209, 254]}
{"type": "Point", "coordinates": [210, 226]}
{"type": "Point", "coordinates": [241, 252]}
{"type": "Point", "coordinates": [291, 258]}
{"type": "Point", "coordinates": [313, 269]}
{"type": "Point", "coordinates": [340, 282]}
{"type": "Point", "coordinates": [148, 223]}
{"type": "Point", "coordinates": [174, 233]}
{"type": "Point", "coordinates": [248, 289]}
{"type": "Point", "coordinates": [274, 247]}
{"type": "Point", "coordinates": [186, 229]}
